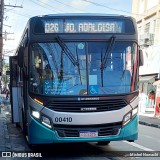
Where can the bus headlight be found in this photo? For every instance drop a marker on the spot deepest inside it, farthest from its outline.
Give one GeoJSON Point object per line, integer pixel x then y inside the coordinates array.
{"type": "Point", "coordinates": [41, 118]}
{"type": "Point", "coordinates": [127, 118]}
{"type": "Point", "coordinates": [46, 121]}
{"type": "Point", "coordinates": [35, 114]}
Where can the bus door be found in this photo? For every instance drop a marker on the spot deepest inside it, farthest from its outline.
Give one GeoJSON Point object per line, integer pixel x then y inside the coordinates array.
{"type": "Point", "coordinates": [20, 98]}
{"type": "Point", "coordinates": [14, 88]}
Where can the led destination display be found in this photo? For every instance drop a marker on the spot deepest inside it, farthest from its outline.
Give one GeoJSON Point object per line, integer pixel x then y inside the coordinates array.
{"type": "Point", "coordinates": [83, 26]}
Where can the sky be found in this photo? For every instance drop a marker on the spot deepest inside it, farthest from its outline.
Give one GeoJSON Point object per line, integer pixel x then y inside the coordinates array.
{"type": "Point", "coordinates": [15, 18]}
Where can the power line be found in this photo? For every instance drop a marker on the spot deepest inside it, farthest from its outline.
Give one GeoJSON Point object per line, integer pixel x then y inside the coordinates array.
{"type": "Point", "coordinates": [9, 52]}
{"type": "Point", "coordinates": [64, 4]}
{"type": "Point", "coordinates": [101, 5]}
{"type": "Point", "coordinates": [50, 6]}
{"type": "Point", "coordinates": [43, 6]}
{"type": "Point", "coordinates": [6, 25]}
{"type": "Point", "coordinates": [13, 6]}
{"type": "Point", "coordinates": [27, 16]}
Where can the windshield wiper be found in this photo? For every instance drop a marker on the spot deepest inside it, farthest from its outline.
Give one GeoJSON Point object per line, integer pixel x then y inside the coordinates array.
{"type": "Point", "coordinates": [105, 58]}
{"type": "Point", "coordinates": [79, 72]}
{"type": "Point", "coordinates": [107, 52]}
{"type": "Point", "coordinates": [69, 54]}
{"type": "Point", "coordinates": [66, 50]}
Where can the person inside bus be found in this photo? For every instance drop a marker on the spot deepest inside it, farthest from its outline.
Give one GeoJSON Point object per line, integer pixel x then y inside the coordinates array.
{"type": "Point", "coordinates": [48, 75]}
{"type": "Point", "coordinates": [38, 65]}
{"type": "Point", "coordinates": [37, 72]}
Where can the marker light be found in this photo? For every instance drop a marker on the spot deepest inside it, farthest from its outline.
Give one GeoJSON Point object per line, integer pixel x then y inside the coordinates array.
{"type": "Point", "coordinates": [134, 112]}
{"type": "Point", "coordinates": [46, 121]}
{"type": "Point", "coordinates": [36, 114]}
{"type": "Point", "coordinates": [41, 103]}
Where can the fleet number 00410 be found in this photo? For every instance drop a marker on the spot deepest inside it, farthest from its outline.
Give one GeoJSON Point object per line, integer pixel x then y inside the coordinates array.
{"type": "Point", "coordinates": [63, 119]}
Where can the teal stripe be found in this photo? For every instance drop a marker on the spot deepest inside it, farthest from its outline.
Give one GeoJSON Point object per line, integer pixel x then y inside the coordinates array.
{"type": "Point", "coordinates": [39, 134]}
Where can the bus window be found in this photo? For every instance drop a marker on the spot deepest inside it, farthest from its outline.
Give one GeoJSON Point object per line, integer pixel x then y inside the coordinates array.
{"type": "Point", "coordinates": [53, 71]}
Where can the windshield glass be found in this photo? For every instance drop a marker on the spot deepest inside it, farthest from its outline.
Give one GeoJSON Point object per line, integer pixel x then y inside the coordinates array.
{"type": "Point", "coordinates": [83, 68]}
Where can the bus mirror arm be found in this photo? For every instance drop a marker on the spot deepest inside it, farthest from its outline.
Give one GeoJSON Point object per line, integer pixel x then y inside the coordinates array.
{"type": "Point", "coordinates": [141, 60]}
{"type": "Point", "coordinates": [25, 74]}
{"type": "Point", "coordinates": [21, 56]}
{"type": "Point", "coordinates": [20, 84]}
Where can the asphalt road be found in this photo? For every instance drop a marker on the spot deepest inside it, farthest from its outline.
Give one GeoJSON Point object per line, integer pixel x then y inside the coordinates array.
{"type": "Point", "coordinates": [148, 142]}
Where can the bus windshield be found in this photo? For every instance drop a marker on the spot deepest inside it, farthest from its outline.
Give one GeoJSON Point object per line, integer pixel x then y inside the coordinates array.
{"type": "Point", "coordinates": [82, 68]}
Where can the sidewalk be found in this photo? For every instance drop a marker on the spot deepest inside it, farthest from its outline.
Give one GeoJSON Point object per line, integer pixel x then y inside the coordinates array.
{"type": "Point", "coordinates": [4, 134]}
{"type": "Point", "coordinates": [149, 121]}
{"type": "Point", "coordinates": [11, 137]}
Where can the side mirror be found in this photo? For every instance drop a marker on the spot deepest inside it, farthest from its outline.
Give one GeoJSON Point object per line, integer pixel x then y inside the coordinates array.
{"type": "Point", "coordinates": [21, 56]}
{"type": "Point", "coordinates": [25, 74]}
{"type": "Point", "coordinates": [141, 60]}
{"type": "Point", "coordinates": [7, 72]}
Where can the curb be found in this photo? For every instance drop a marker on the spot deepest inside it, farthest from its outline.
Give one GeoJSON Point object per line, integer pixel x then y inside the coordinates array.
{"type": "Point", "coordinates": [149, 124]}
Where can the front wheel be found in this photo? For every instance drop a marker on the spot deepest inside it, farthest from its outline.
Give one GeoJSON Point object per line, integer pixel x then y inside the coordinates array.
{"type": "Point", "coordinates": [103, 143]}
{"type": "Point", "coordinates": [24, 126]}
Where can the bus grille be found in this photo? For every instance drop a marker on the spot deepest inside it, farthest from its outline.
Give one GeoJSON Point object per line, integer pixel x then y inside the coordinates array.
{"type": "Point", "coordinates": [94, 106]}
{"type": "Point", "coordinates": [110, 129]}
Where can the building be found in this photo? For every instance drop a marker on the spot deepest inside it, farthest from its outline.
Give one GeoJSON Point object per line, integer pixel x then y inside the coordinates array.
{"type": "Point", "coordinates": [147, 15]}
{"type": "Point", "coordinates": [1, 35]}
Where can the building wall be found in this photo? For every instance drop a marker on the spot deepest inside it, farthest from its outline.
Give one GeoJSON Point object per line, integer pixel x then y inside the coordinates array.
{"type": "Point", "coordinates": [147, 15]}
{"type": "Point", "coordinates": [1, 35]}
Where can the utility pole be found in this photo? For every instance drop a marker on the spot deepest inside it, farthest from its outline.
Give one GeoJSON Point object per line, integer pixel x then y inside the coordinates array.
{"type": "Point", "coordinates": [2, 5]}
{"type": "Point", "coordinates": [5, 36]}
{"type": "Point", "coordinates": [6, 33]}
{"type": "Point", "coordinates": [1, 28]}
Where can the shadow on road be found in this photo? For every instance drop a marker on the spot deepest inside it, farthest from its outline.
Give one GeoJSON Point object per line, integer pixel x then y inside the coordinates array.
{"type": "Point", "coordinates": [69, 150]}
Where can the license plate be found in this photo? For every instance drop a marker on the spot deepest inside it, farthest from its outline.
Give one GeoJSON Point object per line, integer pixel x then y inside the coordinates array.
{"type": "Point", "coordinates": [85, 134]}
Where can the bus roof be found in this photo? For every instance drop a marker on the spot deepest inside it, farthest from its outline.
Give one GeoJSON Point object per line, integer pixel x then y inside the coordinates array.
{"type": "Point", "coordinates": [83, 14]}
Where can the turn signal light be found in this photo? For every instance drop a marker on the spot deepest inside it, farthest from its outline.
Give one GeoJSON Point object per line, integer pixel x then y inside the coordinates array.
{"type": "Point", "coordinates": [41, 103]}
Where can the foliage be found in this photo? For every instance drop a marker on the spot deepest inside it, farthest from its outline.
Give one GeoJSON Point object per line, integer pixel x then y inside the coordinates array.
{"type": "Point", "coordinates": [5, 78]}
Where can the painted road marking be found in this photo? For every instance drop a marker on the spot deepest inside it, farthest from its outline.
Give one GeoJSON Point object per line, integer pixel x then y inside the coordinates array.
{"type": "Point", "coordinates": [138, 146]}
{"type": "Point", "coordinates": [155, 139]}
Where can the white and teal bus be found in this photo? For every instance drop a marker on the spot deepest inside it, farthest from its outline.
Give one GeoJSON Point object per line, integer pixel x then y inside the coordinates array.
{"type": "Point", "coordinates": [74, 78]}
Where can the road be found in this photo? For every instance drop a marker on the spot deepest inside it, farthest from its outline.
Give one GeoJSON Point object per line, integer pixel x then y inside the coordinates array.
{"type": "Point", "coordinates": [148, 142]}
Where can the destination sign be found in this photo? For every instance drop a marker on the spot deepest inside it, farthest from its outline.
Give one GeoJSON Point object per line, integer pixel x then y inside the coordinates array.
{"type": "Point", "coordinates": [83, 26]}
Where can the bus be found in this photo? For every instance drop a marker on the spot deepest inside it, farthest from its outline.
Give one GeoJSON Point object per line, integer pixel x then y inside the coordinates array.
{"type": "Point", "coordinates": [74, 78]}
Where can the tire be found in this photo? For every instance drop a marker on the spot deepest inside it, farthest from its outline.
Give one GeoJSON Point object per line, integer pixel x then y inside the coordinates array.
{"type": "Point", "coordinates": [33, 147]}
{"type": "Point", "coordinates": [24, 127]}
{"type": "Point", "coordinates": [103, 143]}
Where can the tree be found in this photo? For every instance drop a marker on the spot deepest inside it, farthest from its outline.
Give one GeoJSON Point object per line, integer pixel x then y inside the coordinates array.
{"type": "Point", "coordinates": [5, 78]}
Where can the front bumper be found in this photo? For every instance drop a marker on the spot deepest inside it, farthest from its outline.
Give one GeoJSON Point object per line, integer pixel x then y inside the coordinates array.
{"type": "Point", "coordinates": [39, 134]}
